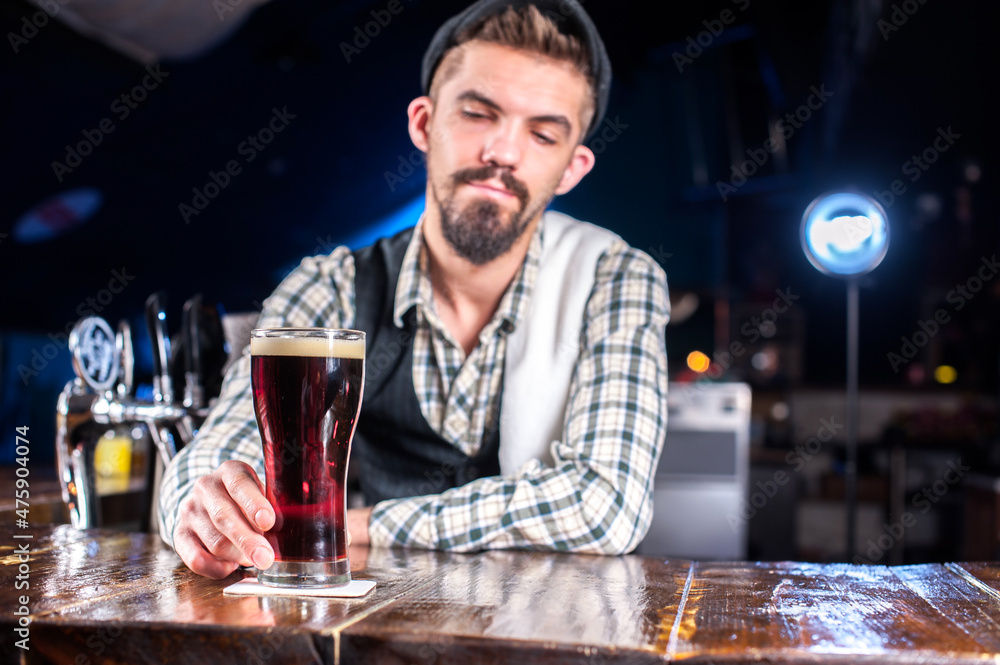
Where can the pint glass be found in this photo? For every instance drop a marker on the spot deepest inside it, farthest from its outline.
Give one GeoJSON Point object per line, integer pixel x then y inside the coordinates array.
{"type": "Point", "coordinates": [307, 388]}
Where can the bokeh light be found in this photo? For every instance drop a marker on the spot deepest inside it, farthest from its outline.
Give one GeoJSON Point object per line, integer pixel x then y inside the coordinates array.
{"type": "Point", "coordinates": [945, 374]}
{"type": "Point", "coordinates": [698, 362]}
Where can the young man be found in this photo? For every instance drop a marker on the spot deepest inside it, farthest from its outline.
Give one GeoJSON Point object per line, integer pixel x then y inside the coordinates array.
{"type": "Point", "coordinates": [516, 386]}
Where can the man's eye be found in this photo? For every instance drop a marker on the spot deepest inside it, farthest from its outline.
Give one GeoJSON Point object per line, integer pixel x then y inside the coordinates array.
{"type": "Point", "coordinates": [472, 115]}
{"type": "Point", "coordinates": [544, 139]}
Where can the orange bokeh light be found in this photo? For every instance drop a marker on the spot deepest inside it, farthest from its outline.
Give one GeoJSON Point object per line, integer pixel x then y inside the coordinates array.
{"type": "Point", "coordinates": [698, 362]}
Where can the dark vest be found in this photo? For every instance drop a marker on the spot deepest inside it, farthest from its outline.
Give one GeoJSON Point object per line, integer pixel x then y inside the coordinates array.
{"type": "Point", "coordinates": [395, 453]}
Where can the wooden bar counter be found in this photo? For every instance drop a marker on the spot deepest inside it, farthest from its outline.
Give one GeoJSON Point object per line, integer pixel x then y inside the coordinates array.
{"type": "Point", "coordinates": [110, 597]}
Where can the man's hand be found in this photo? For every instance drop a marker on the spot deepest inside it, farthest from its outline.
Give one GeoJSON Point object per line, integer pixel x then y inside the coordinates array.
{"type": "Point", "coordinates": [357, 526]}
{"type": "Point", "coordinates": [220, 523]}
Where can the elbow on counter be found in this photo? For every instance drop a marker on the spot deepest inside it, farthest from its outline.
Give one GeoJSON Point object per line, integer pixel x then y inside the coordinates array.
{"type": "Point", "coordinates": [616, 529]}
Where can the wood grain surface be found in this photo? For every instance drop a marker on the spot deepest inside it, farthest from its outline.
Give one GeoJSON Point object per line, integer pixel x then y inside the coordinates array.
{"type": "Point", "coordinates": [110, 597]}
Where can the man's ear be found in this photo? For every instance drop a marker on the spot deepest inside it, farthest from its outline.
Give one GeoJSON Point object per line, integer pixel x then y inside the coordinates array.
{"type": "Point", "coordinates": [579, 165]}
{"type": "Point", "coordinates": [419, 113]}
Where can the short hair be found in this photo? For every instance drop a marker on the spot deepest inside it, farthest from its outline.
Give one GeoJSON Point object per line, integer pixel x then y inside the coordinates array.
{"type": "Point", "coordinates": [525, 29]}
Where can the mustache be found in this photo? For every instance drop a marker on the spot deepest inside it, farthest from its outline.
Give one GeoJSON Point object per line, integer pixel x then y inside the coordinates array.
{"type": "Point", "coordinates": [483, 173]}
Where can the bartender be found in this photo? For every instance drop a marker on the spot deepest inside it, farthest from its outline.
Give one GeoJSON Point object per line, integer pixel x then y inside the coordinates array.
{"type": "Point", "coordinates": [516, 390]}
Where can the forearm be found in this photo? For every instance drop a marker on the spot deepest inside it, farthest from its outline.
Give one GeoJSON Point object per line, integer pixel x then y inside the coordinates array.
{"type": "Point", "coordinates": [569, 508]}
{"type": "Point", "coordinates": [597, 496]}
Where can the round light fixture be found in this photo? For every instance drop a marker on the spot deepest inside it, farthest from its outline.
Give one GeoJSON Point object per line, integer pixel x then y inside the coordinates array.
{"type": "Point", "coordinates": [845, 234]}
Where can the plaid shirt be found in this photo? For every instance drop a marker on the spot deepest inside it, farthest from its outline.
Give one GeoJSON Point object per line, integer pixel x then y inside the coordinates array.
{"type": "Point", "coordinates": [597, 497]}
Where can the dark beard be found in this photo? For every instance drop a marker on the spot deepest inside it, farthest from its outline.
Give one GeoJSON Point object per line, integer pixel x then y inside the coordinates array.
{"type": "Point", "coordinates": [477, 233]}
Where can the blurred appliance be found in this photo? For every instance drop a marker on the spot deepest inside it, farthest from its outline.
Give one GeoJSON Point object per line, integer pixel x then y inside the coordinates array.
{"type": "Point", "coordinates": [111, 447]}
{"type": "Point", "coordinates": [701, 481]}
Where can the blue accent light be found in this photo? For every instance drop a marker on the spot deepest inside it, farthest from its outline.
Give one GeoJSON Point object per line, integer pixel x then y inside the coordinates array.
{"type": "Point", "coordinates": [389, 225]}
{"type": "Point", "coordinates": [845, 234]}
{"type": "Point", "coordinates": [386, 227]}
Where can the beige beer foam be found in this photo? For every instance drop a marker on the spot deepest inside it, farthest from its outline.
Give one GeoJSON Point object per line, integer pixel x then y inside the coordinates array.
{"type": "Point", "coordinates": [311, 347]}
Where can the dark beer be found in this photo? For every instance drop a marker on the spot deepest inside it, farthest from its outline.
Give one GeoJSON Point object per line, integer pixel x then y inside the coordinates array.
{"type": "Point", "coordinates": [307, 396]}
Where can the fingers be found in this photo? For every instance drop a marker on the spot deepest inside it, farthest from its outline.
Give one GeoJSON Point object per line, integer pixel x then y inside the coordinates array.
{"type": "Point", "coordinates": [247, 491]}
{"type": "Point", "coordinates": [231, 526]}
{"type": "Point", "coordinates": [215, 532]}
{"type": "Point", "coordinates": [357, 525]}
{"type": "Point", "coordinates": [194, 554]}
{"type": "Point", "coordinates": [193, 538]}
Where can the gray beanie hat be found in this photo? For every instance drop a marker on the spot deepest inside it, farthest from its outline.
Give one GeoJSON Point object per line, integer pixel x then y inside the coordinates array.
{"type": "Point", "coordinates": [568, 15]}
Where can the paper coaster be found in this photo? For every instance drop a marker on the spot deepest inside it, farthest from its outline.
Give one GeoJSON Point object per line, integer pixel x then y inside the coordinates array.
{"type": "Point", "coordinates": [251, 587]}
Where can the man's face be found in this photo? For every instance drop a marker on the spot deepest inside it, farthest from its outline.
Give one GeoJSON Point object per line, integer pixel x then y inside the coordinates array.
{"type": "Point", "coordinates": [501, 138]}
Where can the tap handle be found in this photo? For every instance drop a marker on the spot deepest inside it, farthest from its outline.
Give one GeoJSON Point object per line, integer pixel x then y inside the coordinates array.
{"type": "Point", "coordinates": [126, 372]}
{"type": "Point", "coordinates": [191, 332]}
{"type": "Point", "coordinates": [92, 345]}
{"type": "Point", "coordinates": [156, 321]}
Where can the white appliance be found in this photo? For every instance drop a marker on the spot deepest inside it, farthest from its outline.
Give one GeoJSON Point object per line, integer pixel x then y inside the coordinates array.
{"type": "Point", "coordinates": [701, 480]}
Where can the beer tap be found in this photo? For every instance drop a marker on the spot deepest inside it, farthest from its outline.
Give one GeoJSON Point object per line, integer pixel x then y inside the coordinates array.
{"type": "Point", "coordinates": [126, 372]}
{"type": "Point", "coordinates": [92, 344]}
{"type": "Point", "coordinates": [163, 389]}
{"type": "Point", "coordinates": [102, 397]}
{"type": "Point", "coordinates": [156, 322]}
{"type": "Point", "coordinates": [194, 392]}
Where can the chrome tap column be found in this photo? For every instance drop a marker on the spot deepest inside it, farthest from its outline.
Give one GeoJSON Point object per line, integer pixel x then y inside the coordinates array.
{"type": "Point", "coordinates": [105, 437]}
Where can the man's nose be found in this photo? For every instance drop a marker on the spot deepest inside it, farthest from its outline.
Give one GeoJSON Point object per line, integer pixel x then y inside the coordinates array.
{"type": "Point", "coordinates": [502, 148]}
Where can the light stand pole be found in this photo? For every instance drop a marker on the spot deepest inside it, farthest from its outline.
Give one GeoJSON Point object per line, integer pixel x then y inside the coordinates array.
{"type": "Point", "coordinates": [846, 234]}
{"type": "Point", "coordinates": [851, 470]}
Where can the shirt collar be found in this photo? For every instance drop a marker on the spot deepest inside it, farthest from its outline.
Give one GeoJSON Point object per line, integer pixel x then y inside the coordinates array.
{"type": "Point", "coordinates": [413, 289]}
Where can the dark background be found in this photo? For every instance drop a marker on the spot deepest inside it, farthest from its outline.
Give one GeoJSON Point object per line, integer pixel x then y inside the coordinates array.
{"type": "Point", "coordinates": [323, 181]}
{"type": "Point", "coordinates": [677, 132]}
